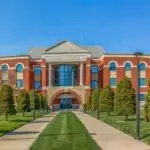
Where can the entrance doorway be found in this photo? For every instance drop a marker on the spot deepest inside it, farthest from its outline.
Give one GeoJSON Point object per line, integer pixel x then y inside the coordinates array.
{"type": "Point", "coordinates": [66, 103]}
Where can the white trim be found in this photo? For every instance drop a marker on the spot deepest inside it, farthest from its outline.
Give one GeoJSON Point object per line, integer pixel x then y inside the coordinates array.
{"type": "Point", "coordinates": [143, 86]}
{"type": "Point", "coordinates": [3, 65]}
{"type": "Point", "coordinates": [20, 64]}
{"type": "Point", "coordinates": [10, 58]}
{"type": "Point", "coordinates": [113, 86]}
{"type": "Point", "coordinates": [111, 61]}
{"type": "Point", "coordinates": [144, 63]}
{"type": "Point", "coordinates": [143, 92]}
{"type": "Point", "coordinates": [128, 61]}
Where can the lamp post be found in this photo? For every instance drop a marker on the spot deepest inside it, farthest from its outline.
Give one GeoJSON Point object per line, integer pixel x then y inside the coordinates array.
{"type": "Point", "coordinates": [98, 109]}
{"type": "Point", "coordinates": [138, 55]}
{"type": "Point", "coordinates": [33, 112]}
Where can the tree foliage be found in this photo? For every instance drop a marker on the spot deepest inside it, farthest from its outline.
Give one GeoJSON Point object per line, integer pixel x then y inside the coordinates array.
{"type": "Point", "coordinates": [107, 99]}
{"type": "Point", "coordinates": [147, 103]}
{"type": "Point", "coordinates": [35, 99]}
{"type": "Point", "coordinates": [7, 101]}
{"type": "Point", "coordinates": [23, 101]}
{"type": "Point", "coordinates": [124, 103]}
{"type": "Point", "coordinates": [95, 99]}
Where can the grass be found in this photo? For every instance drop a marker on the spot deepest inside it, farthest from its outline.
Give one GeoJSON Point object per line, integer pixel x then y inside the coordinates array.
{"type": "Point", "coordinates": [15, 121]}
{"type": "Point", "coordinates": [126, 126]}
{"type": "Point", "coordinates": [66, 132]}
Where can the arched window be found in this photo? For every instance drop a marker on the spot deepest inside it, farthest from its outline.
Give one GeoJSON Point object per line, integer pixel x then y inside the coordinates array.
{"type": "Point", "coordinates": [113, 74]}
{"type": "Point", "coordinates": [127, 67]}
{"type": "Point", "coordinates": [4, 68]}
{"type": "Point", "coordinates": [19, 70]}
{"type": "Point", "coordinates": [5, 74]}
{"type": "Point", "coordinates": [112, 66]}
{"type": "Point", "coordinates": [142, 68]}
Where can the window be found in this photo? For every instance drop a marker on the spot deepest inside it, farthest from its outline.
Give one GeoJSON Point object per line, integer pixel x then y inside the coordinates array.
{"type": "Point", "coordinates": [127, 67]}
{"type": "Point", "coordinates": [142, 97]}
{"type": "Point", "coordinates": [37, 70]}
{"type": "Point", "coordinates": [113, 81]}
{"type": "Point", "coordinates": [142, 67]}
{"type": "Point", "coordinates": [37, 85]}
{"type": "Point", "coordinates": [19, 68]}
{"type": "Point", "coordinates": [4, 74]}
{"type": "Point", "coordinates": [142, 82]}
{"type": "Point", "coordinates": [19, 83]}
{"type": "Point", "coordinates": [4, 68]}
{"type": "Point", "coordinates": [94, 84]}
{"type": "Point", "coordinates": [66, 75]}
{"type": "Point", "coordinates": [94, 68]}
{"type": "Point", "coordinates": [112, 66]}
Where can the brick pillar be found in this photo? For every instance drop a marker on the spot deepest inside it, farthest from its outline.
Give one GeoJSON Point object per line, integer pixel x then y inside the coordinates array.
{"type": "Point", "coordinates": [26, 77]}
{"type": "Point", "coordinates": [120, 73]}
{"type": "Point", "coordinates": [106, 76]}
{"type": "Point", "coordinates": [134, 77]}
{"type": "Point", "coordinates": [88, 72]}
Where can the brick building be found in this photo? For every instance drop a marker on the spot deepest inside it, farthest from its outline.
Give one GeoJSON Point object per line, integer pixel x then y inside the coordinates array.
{"type": "Point", "coordinates": [66, 72]}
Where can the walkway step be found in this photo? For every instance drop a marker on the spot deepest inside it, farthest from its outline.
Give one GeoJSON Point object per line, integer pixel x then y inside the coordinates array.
{"type": "Point", "coordinates": [109, 138]}
{"type": "Point", "coordinates": [23, 137]}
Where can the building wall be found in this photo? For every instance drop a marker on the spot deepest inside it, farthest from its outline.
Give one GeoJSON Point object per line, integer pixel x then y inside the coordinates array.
{"type": "Point", "coordinates": [103, 65]}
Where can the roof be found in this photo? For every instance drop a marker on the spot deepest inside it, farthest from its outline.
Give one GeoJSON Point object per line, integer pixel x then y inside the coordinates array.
{"type": "Point", "coordinates": [66, 47]}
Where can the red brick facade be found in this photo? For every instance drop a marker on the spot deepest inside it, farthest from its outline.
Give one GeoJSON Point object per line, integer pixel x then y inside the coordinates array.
{"type": "Point", "coordinates": [102, 62]}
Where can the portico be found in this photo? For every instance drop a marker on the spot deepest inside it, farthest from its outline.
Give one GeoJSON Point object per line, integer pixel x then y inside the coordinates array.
{"type": "Point", "coordinates": [66, 71]}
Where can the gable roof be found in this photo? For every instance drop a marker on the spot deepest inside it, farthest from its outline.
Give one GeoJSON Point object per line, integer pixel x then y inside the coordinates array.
{"type": "Point", "coordinates": [66, 47]}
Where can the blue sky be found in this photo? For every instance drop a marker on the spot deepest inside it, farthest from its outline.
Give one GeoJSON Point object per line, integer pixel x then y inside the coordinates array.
{"type": "Point", "coordinates": [117, 25]}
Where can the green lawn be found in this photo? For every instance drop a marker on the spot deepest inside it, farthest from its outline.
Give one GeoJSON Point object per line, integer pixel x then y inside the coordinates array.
{"type": "Point", "coordinates": [126, 126]}
{"type": "Point", "coordinates": [15, 121]}
{"type": "Point", "coordinates": [66, 132]}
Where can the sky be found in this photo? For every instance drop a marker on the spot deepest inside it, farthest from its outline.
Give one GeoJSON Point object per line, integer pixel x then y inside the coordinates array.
{"type": "Point", "coordinates": [119, 26]}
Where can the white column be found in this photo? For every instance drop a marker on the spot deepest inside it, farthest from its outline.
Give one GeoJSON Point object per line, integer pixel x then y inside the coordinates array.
{"type": "Point", "coordinates": [50, 74]}
{"type": "Point", "coordinates": [81, 74]}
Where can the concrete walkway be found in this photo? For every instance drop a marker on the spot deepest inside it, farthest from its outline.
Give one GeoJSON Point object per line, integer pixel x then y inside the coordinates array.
{"type": "Point", "coordinates": [23, 137]}
{"type": "Point", "coordinates": [109, 138]}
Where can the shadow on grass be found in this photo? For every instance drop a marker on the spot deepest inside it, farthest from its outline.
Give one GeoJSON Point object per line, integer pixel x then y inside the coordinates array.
{"type": "Point", "coordinates": [22, 132]}
{"type": "Point", "coordinates": [134, 119]}
{"type": "Point", "coordinates": [58, 134]}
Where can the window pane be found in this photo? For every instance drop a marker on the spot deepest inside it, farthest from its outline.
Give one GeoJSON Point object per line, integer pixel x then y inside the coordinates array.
{"type": "Point", "coordinates": [37, 85]}
{"type": "Point", "coordinates": [94, 84]}
{"type": "Point", "coordinates": [4, 68]}
{"type": "Point", "coordinates": [113, 81]}
{"type": "Point", "coordinates": [142, 67]}
{"type": "Point", "coordinates": [19, 83]}
{"type": "Point", "coordinates": [37, 70]}
{"type": "Point", "coordinates": [94, 68]}
{"type": "Point", "coordinates": [112, 67]}
{"type": "Point", "coordinates": [19, 68]}
{"type": "Point", "coordinates": [142, 97]}
{"type": "Point", "coordinates": [142, 82]}
{"type": "Point", "coordinates": [127, 67]}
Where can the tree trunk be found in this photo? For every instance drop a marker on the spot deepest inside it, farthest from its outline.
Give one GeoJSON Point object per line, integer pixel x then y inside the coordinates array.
{"type": "Point", "coordinates": [23, 113]}
{"type": "Point", "coordinates": [126, 117]}
{"type": "Point", "coordinates": [108, 113]}
{"type": "Point", "coordinates": [6, 116]}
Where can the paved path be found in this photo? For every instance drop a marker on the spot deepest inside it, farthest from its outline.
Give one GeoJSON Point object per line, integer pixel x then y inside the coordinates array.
{"type": "Point", "coordinates": [108, 137]}
{"type": "Point", "coordinates": [23, 137]}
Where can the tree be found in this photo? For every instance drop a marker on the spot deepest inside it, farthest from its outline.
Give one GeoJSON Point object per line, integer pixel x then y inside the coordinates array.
{"type": "Point", "coordinates": [89, 102]}
{"type": "Point", "coordinates": [7, 100]}
{"type": "Point", "coordinates": [124, 103]}
{"type": "Point", "coordinates": [147, 103]}
{"type": "Point", "coordinates": [95, 98]}
{"type": "Point", "coordinates": [34, 99]}
{"type": "Point", "coordinates": [23, 102]}
{"type": "Point", "coordinates": [107, 99]}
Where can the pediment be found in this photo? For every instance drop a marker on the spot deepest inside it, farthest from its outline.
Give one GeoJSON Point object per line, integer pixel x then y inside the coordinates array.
{"type": "Point", "coordinates": [65, 47]}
